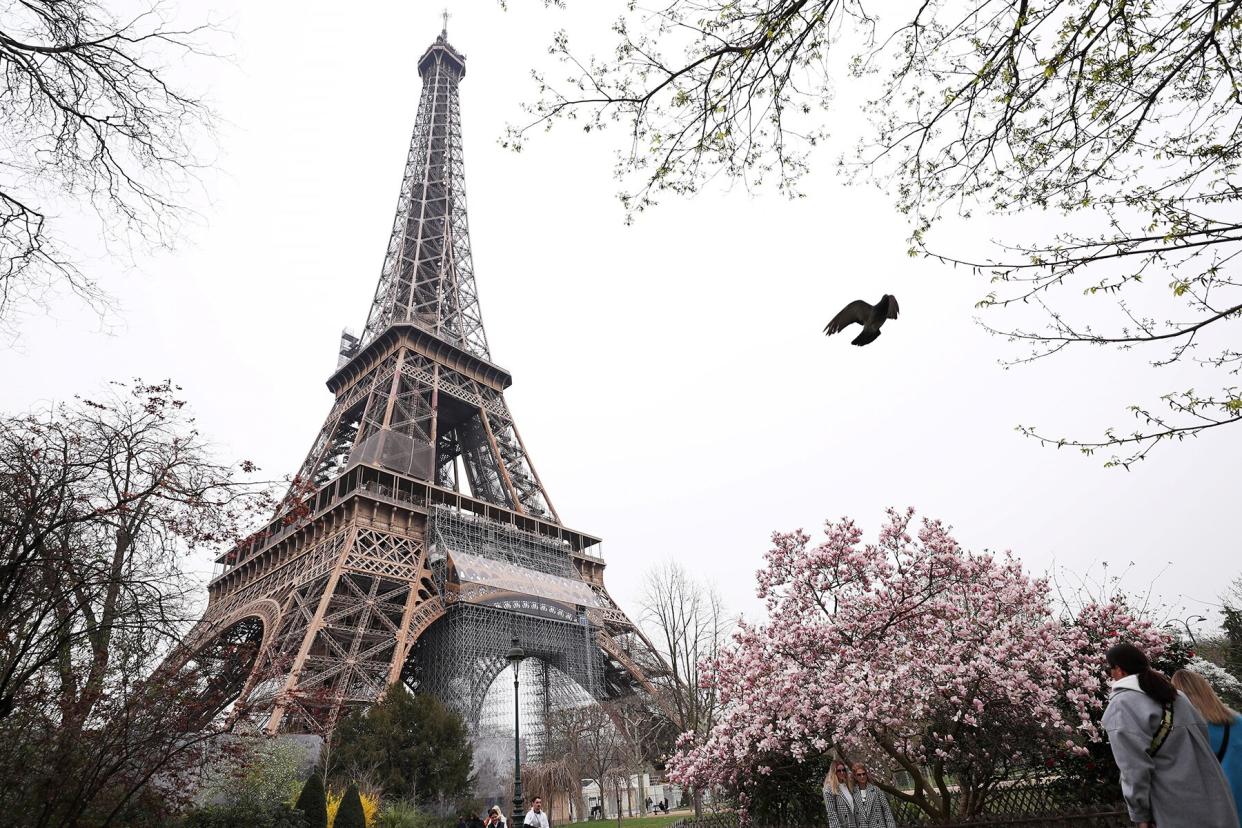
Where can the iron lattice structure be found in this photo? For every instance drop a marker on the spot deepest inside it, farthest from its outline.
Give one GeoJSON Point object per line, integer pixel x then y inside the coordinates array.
{"type": "Point", "coordinates": [417, 539]}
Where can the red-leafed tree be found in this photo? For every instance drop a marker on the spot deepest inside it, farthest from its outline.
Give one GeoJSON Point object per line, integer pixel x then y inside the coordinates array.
{"type": "Point", "coordinates": [100, 502]}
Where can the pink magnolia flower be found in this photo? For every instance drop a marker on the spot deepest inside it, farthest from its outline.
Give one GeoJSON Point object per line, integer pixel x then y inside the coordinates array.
{"type": "Point", "coordinates": [910, 647]}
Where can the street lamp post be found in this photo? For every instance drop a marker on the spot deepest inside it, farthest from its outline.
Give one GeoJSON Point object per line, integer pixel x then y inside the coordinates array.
{"type": "Point", "coordinates": [516, 655]}
{"type": "Point", "coordinates": [1185, 622]}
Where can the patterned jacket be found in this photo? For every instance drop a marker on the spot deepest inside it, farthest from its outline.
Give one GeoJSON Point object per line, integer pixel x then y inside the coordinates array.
{"type": "Point", "coordinates": [840, 814]}
{"type": "Point", "coordinates": [873, 811]}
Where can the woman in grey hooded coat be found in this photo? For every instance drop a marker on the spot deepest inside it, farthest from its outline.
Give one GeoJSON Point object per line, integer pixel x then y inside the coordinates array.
{"type": "Point", "coordinates": [1169, 774]}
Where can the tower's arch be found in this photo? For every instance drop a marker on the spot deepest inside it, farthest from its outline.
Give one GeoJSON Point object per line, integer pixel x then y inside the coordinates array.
{"type": "Point", "coordinates": [221, 659]}
{"type": "Point", "coordinates": [461, 660]}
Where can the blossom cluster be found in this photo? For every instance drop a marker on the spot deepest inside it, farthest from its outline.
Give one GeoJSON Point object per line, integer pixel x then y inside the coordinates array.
{"type": "Point", "coordinates": [911, 647]}
{"type": "Point", "coordinates": [1225, 683]}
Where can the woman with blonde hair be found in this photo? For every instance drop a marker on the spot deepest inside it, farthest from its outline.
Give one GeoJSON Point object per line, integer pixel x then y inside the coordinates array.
{"type": "Point", "coordinates": [1169, 775]}
{"type": "Point", "coordinates": [1224, 728]}
{"type": "Point", "coordinates": [839, 796]}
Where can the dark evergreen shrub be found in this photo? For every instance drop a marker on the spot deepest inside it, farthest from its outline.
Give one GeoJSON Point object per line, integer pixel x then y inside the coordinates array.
{"type": "Point", "coordinates": [350, 814]}
{"type": "Point", "coordinates": [313, 802]}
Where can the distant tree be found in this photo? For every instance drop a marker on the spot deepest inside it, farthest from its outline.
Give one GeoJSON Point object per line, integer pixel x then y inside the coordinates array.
{"type": "Point", "coordinates": [1119, 117]}
{"type": "Point", "coordinates": [91, 114]}
{"type": "Point", "coordinates": [313, 802]}
{"type": "Point", "coordinates": [350, 814]}
{"type": "Point", "coordinates": [412, 746]}
{"type": "Point", "coordinates": [566, 739]}
{"type": "Point", "coordinates": [686, 621]}
{"type": "Point", "coordinates": [602, 749]}
{"type": "Point", "coordinates": [645, 738]}
{"type": "Point", "coordinates": [551, 780]}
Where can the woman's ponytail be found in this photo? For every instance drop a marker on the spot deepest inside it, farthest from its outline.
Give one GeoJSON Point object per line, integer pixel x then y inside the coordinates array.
{"type": "Point", "coordinates": [1157, 686]}
{"type": "Point", "coordinates": [1134, 661]}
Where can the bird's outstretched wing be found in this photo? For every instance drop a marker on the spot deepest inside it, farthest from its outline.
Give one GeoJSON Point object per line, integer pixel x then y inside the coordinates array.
{"type": "Point", "coordinates": [867, 335]}
{"type": "Point", "coordinates": [856, 311]}
{"type": "Point", "coordinates": [892, 306]}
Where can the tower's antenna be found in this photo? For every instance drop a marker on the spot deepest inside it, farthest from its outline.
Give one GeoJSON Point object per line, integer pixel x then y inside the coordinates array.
{"type": "Point", "coordinates": [444, 14]}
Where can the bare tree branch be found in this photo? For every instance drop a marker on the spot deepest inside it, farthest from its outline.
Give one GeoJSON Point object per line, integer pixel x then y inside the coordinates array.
{"type": "Point", "coordinates": [1121, 120]}
{"type": "Point", "coordinates": [90, 118]}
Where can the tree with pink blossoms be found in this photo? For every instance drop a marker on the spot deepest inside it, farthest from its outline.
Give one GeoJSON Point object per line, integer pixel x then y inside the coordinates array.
{"type": "Point", "coordinates": [951, 665]}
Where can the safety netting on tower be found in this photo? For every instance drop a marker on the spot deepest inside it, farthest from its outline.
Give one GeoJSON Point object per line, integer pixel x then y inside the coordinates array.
{"type": "Point", "coordinates": [451, 530]}
{"type": "Point", "coordinates": [461, 660]}
{"type": "Point", "coordinates": [507, 584]}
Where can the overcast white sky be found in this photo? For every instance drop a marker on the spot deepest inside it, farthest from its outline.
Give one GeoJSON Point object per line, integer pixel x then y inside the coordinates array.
{"type": "Point", "coordinates": [671, 380]}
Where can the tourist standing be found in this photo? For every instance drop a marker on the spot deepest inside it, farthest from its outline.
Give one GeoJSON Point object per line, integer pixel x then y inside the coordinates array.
{"type": "Point", "coordinates": [1224, 728]}
{"type": "Point", "coordinates": [838, 799]}
{"type": "Point", "coordinates": [1169, 775]}
{"type": "Point", "coordinates": [871, 809]}
{"type": "Point", "coordinates": [535, 816]}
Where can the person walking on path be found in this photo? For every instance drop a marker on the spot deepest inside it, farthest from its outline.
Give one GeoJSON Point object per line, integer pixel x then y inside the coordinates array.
{"type": "Point", "coordinates": [838, 798]}
{"type": "Point", "coordinates": [1169, 774]}
{"type": "Point", "coordinates": [535, 816]}
{"type": "Point", "coordinates": [1224, 728]}
{"type": "Point", "coordinates": [871, 808]}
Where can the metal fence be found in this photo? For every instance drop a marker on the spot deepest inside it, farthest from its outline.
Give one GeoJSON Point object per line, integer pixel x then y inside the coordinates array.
{"type": "Point", "coordinates": [1026, 803]}
{"type": "Point", "coordinates": [1035, 801]}
{"type": "Point", "coordinates": [1083, 819]}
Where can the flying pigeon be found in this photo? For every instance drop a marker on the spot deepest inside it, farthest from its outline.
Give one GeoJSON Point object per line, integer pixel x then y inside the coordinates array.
{"type": "Point", "coordinates": [871, 317]}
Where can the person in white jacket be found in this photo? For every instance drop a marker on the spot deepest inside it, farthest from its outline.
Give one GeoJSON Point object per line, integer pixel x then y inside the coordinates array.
{"type": "Point", "coordinates": [535, 816]}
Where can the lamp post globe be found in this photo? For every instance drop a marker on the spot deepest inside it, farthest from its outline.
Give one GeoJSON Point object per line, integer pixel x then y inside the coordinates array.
{"type": "Point", "coordinates": [515, 657]}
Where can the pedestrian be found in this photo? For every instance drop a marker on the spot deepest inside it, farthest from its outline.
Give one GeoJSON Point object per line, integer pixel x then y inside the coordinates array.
{"type": "Point", "coordinates": [474, 821]}
{"type": "Point", "coordinates": [648, 804]}
{"type": "Point", "coordinates": [494, 818]}
{"type": "Point", "coordinates": [664, 805]}
{"type": "Point", "coordinates": [838, 798]}
{"type": "Point", "coordinates": [871, 808]}
{"type": "Point", "coordinates": [1169, 774]}
{"type": "Point", "coordinates": [535, 816]}
{"type": "Point", "coordinates": [1224, 728]}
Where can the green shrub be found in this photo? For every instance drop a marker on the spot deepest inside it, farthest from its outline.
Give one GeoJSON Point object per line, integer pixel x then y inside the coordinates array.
{"type": "Point", "coordinates": [313, 802]}
{"type": "Point", "coordinates": [241, 816]}
{"type": "Point", "coordinates": [350, 814]}
{"type": "Point", "coordinates": [411, 745]}
{"type": "Point", "coordinates": [400, 815]}
{"type": "Point", "coordinates": [259, 773]}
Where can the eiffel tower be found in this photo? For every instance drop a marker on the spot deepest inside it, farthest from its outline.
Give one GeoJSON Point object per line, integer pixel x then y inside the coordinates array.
{"type": "Point", "coordinates": [417, 540]}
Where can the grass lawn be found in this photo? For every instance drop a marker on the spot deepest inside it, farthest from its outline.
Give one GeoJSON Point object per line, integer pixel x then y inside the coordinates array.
{"type": "Point", "coordinates": [637, 822]}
